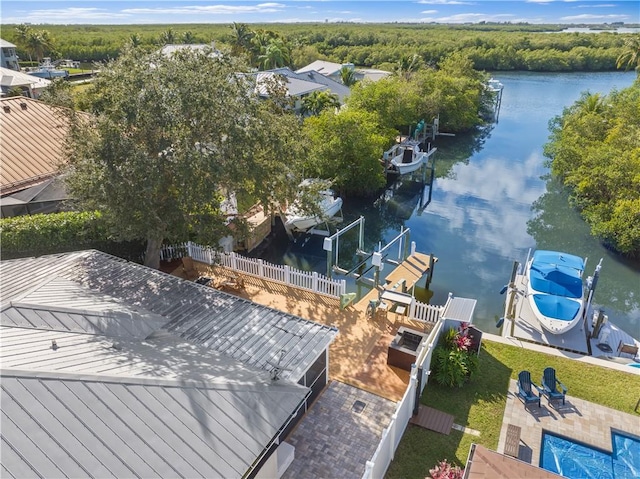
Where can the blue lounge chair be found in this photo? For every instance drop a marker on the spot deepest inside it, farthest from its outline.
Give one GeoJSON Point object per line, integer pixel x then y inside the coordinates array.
{"type": "Point", "coordinates": [526, 389]}
{"type": "Point", "coordinates": [551, 387]}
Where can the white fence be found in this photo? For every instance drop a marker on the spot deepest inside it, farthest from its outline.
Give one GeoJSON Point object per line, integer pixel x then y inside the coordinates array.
{"type": "Point", "coordinates": [382, 457]}
{"type": "Point", "coordinates": [425, 312]}
{"type": "Point", "coordinates": [310, 281]}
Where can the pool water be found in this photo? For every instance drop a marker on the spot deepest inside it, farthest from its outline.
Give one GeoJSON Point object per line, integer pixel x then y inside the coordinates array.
{"type": "Point", "coordinates": [578, 461]}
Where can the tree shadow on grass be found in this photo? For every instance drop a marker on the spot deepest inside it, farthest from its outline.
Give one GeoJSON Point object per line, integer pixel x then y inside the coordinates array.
{"type": "Point", "coordinates": [478, 405]}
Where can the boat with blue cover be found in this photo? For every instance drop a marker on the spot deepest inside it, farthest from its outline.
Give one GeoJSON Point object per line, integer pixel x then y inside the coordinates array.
{"type": "Point", "coordinates": [555, 289]}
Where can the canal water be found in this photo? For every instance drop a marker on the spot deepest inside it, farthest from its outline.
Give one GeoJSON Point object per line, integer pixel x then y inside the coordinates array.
{"type": "Point", "coordinates": [491, 201]}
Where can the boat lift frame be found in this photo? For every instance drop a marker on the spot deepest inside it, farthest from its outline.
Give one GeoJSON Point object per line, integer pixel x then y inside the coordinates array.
{"type": "Point", "coordinates": [378, 258]}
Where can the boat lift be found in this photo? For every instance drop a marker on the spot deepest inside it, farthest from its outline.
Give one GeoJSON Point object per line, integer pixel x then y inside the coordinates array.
{"type": "Point", "coordinates": [378, 258]}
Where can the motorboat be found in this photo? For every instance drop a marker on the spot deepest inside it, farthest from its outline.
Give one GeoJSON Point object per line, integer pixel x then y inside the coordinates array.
{"type": "Point", "coordinates": [555, 289]}
{"type": "Point", "coordinates": [328, 205]}
{"type": "Point", "coordinates": [405, 158]}
{"type": "Point", "coordinates": [48, 70]}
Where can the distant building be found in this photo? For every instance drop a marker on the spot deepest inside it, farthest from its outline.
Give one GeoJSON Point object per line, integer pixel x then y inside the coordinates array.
{"type": "Point", "coordinates": [33, 134]}
{"type": "Point", "coordinates": [332, 70]}
{"type": "Point", "coordinates": [170, 49]}
{"type": "Point", "coordinates": [8, 56]}
{"type": "Point", "coordinates": [30, 86]}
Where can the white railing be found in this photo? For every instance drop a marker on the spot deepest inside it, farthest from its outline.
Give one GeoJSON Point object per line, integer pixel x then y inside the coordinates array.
{"type": "Point", "coordinates": [425, 312]}
{"type": "Point", "coordinates": [310, 281]}
{"type": "Point", "coordinates": [392, 434]}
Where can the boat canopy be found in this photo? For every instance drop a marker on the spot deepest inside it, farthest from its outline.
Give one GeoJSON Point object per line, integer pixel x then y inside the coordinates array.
{"type": "Point", "coordinates": [556, 307]}
{"type": "Point", "coordinates": [556, 257]}
{"type": "Point", "coordinates": [556, 280]}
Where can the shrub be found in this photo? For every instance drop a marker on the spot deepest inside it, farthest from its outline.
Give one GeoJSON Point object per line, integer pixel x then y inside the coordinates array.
{"type": "Point", "coordinates": [37, 235]}
{"type": "Point", "coordinates": [454, 361]}
{"type": "Point", "coordinates": [444, 470]}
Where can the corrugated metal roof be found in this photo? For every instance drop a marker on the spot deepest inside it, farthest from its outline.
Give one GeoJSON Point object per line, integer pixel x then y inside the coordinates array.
{"type": "Point", "coordinates": [295, 86]}
{"type": "Point", "coordinates": [32, 138]}
{"type": "Point", "coordinates": [65, 425]}
{"type": "Point", "coordinates": [236, 327]}
{"type": "Point", "coordinates": [460, 309]}
{"type": "Point", "coordinates": [316, 77]}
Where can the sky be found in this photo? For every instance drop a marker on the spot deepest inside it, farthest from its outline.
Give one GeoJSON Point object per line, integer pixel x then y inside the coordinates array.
{"type": "Point", "coordinates": [116, 12]}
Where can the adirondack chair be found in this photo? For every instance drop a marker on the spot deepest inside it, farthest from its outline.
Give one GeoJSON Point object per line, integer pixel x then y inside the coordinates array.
{"type": "Point", "coordinates": [551, 387]}
{"type": "Point", "coordinates": [526, 389]}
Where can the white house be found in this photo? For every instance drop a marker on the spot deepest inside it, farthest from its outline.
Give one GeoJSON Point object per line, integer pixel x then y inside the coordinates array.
{"type": "Point", "coordinates": [8, 56]}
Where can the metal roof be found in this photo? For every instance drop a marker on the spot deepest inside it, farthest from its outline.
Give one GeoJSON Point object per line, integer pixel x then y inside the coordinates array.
{"type": "Point", "coordinates": [295, 86]}
{"type": "Point", "coordinates": [67, 425]}
{"type": "Point", "coordinates": [110, 368]}
{"type": "Point", "coordinates": [316, 77]}
{"type": "Point", "coordinates": [323, 67]}
{"type": "Point", "coordinates": [32, 137]}
{"type": "Point", "coordinates": [460, 309]}
{"type": "Point", "coordinates": [70, 283]}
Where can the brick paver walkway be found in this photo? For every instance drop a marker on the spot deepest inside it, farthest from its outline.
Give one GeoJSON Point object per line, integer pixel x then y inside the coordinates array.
{"type": "Point", "coordinates": [333, 441]}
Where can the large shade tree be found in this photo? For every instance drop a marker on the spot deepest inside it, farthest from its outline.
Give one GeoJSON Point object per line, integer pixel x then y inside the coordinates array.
{"type": "Point", "coordinates": [172, 135]}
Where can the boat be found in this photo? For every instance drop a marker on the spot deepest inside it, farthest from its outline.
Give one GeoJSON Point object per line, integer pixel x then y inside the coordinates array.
{"type": "Point", "coordinates": [327, 207]}
{"type": "Point", "coordinates": [549, 302]}
{"type": "Point", "coordinates": [48, 70]}
{"type": "Point", "coordinates": [404, 158]}
{"type": "Point", "coordinates": [555, 289]}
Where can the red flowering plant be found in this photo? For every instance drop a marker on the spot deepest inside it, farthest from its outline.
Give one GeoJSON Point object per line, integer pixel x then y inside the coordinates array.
{"type": "Point", "coordinates": [454, 361]}
{"type": "Point", "coordinates": [444, 470]}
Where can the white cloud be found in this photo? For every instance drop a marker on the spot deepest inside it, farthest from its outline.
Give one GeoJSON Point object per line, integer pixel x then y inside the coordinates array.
{"type": "Point", "coordinates": [588, 17]}
{"type": "Point", "coordinates": [208, 9]}
{"type": "Point", "coordinates": [602, 5]}
{"type": "Point", "coordinates": [77, 15]}
{"type": "Point", "coordinates": [476, 17]}
{"type": "Point", "coordinates": [429, 12]}
{"type": "Point", "coordinates": [543, 2]}
{"type": "Point", "coordinates": [445, 2]}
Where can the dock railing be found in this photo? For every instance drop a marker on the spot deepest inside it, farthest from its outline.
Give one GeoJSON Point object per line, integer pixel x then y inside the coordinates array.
{"type": "Point", "coordinates": [310, 281]}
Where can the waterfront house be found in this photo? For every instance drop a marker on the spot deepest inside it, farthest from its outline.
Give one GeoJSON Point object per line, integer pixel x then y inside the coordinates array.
{"type": "Point", "coordinates": [113, 368]}
{"type": "Point", "coordinates": [8, 56]}
{"type": "Point", "coordinates": [29, 85]}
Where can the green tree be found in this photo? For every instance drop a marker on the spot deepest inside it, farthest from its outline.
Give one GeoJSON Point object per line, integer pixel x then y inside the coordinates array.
{"type": "Point", "coordinates": [135, 40]}
{"type": "Point", "coordinates": [346, 147]}
{"type": "Point", "coordinates": [347, 76]}
{"type": "Point", "coordinates": [630, 56]}
{"type": "Point", "coordinates": [595, 151]}
{"type": "Point", "coordinates": [171, 135]}
{"type": "Point", "coordinates": [241, 36]}
{"type": "Point", "coordinates": [318, 101]}
{"type": "Point", "coordinates": [167, 37]}
{"type": "Point", "coordinates": [188, 37]}
{"type": "Point", "coordinates": [275, 54]}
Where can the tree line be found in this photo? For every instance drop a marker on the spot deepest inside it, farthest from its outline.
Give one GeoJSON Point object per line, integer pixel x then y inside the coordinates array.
{"type": "Point", "coordinates": [490, 46]}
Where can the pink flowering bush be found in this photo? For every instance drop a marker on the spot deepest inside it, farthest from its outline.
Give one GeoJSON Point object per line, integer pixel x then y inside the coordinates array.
{"type": "Point", "coordinates": [444, 470]}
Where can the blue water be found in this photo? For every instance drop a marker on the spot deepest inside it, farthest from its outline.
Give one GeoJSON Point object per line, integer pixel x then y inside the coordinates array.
{"type": "Point", "coordinates": [490, 203]}
{"type": "Point", "coordinates": [579, 461]}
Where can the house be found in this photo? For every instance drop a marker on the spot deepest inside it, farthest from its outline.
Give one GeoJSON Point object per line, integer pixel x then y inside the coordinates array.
{"type": "Point", "coordinates": [110, 368]}
{"type": "Point", "coordinates": [33, 135]}
{"type": "Point", "coordinates": [328, 69]}
{"type": "Point", "coordinates": [8, 56]}
{"type": "Point", "coordinates": [170, 49]}
{"type": "Point", "coordinates": [333, 86]}
{"type": "Point", "coordinates": [30, 86]}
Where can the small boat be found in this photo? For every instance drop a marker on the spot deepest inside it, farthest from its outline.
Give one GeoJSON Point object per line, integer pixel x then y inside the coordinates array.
{"type": "Point", "coordinates": [48, 70]}
{"type": "Point", "coordinates": [328, 206]}
{"type": "Point", "coordinates": [405, 158]}
{"type": "Point", "coordinates": [555, 289]}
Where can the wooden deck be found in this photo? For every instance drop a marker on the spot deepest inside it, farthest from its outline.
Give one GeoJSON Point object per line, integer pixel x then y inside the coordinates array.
{"type": "Point", "coordinates": [411, 270]}
{"type": "Point", "coordinates": [433, 419]}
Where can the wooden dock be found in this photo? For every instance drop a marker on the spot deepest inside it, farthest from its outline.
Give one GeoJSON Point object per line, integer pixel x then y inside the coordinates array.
{"type": "Point", "coordinates": [410, 271]}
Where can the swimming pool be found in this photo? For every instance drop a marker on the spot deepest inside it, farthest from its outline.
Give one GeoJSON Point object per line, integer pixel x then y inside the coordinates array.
{"type": "Point", "coordinates": [576, 460]}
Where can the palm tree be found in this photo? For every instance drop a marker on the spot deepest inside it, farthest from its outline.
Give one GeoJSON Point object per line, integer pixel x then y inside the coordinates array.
{"type": "Point", "coordinates": [591, 103]}
{"type": "Point", "coordinates": [39, 44]}
{"type": "Point", "coordinates": [168, 37]}
{"type": "Point", "coordinates": [276, 54]}
{"type": "Point", "coordinates": [347, 76]}
{"type": "Point", "coordinates": [135, 40]}
{"type": "Point", "coordinates": [188, 37]}
{"type": "Point", "coordinates": [407, 65]}
{"type": "Point", "coordinates": [241, 38]}
{"type": "Point", "coordinates": [319, 100]}
{"type": "Point", "coordinates": [22, 37]}
{"type": "Point", "coordinates": [630, 57]}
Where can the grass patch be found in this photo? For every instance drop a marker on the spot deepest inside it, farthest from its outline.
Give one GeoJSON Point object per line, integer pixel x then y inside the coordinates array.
{"type": "Point", "coordinates": [480, 404]}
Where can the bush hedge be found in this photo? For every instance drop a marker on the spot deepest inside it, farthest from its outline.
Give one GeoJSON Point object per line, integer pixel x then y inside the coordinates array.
{"type": "Point", "coordinates": [38, 235]}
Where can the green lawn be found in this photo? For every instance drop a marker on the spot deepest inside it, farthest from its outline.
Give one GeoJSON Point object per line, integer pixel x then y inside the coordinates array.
{"type": "Point", "coordinates": [480, 404]}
